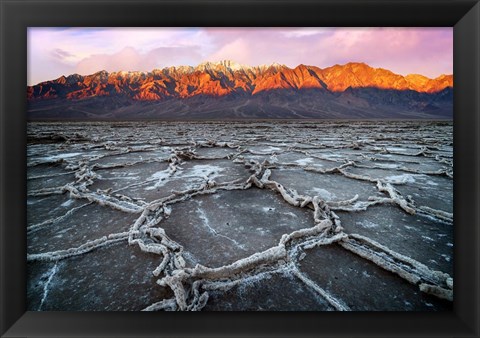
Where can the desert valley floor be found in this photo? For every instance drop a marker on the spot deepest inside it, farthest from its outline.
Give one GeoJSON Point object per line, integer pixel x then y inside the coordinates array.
{"type": "Point", "coordinates": [253, 215]}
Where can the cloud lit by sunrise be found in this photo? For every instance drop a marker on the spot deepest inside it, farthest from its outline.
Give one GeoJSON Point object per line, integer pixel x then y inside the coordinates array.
{"type": "Point", "coordinates": [53, 52]}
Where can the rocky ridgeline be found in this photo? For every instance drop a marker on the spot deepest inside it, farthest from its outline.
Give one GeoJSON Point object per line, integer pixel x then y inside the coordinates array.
{"type": "Point", "coordinates": [227, 77]}
{"type": "Point", "coordinates": [226, 89]}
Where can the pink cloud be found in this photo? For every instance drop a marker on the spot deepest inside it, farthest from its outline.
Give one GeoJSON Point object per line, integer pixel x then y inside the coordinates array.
{"type": "Point", "coordinates": [130, 59]}
{"type": "Point", "coordinates": [427, 51]}
{"type": "Point", "coordinates": [126, 59]}
{"type": "Point", "coordinates": [238, 50]}
{"type": "Point", "coordinates": [405, 51]}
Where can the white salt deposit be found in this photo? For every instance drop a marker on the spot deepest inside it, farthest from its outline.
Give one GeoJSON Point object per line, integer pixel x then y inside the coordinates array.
{"type": "Point", "coordinates": [400, 179]}
{"type": "Point", "coordinates": [304, 161]}
{"type": "Point", "coordinates": [322, 193]}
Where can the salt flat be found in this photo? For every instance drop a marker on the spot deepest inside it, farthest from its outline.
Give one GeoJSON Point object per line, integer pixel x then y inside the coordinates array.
{"type": "Point", "coordinates": [240, 215]}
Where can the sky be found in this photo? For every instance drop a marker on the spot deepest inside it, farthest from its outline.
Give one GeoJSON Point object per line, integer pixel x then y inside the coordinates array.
{"type": "Point", "coordinates": [53, 52]}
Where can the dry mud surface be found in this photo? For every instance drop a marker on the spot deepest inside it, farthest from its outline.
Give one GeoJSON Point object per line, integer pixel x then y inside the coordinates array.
{"type": "Point", "coordinates": [316, 216]}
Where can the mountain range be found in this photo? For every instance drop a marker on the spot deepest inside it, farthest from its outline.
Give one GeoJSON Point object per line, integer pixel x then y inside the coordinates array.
{"type": "Point", "coordinates": [227, 90]}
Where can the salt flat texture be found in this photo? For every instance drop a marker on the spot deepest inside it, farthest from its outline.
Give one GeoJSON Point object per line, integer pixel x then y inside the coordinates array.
{"type": "Point", "coordinates": [219, 216]}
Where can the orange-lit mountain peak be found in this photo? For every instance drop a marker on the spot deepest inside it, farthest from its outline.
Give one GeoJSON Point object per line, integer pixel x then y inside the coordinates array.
{"type": "Point", "coordinates": [226, 77]}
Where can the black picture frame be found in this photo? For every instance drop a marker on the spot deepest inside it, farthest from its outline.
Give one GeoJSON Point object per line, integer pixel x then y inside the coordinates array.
{"type": "Point", "coordinates": [16, 16]}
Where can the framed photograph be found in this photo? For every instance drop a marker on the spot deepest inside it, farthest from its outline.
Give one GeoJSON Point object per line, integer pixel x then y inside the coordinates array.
{"type": "Point", "coordinates": [279, 168]}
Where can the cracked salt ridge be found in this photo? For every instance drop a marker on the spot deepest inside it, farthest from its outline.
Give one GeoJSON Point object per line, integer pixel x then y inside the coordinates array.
{"type": "Point", "coordinates": [96, 282]}
{"type": "Point", "coordinates": [424, 286]}
{"type": "Point", "coordinates": [46, 170]}
{"type": "Point", "coordinates": [431, 191]}
{"type": "Point", "coordinates": [55, 220]}
{"type": "Point", "coordinates": [405, 234]}
{"type": "Point", "coordinates": [274, 254]}
{"type": "Point", "coordinates": [432, 168]}
{"type": "Point", "coordinates": [49, 182]}
{"type": "Point", "coordinates": [435, 192]}
{"type": "Point", "coordinates": [44, 208]}
{"type": "Point", "coordinates": [268, 291]}
{"type": "Point", "coordinates": [202, 299]}
{"type": "Point", "coordinates": [230, 214]}
{"type": "Point", "coordinates": [381, 290]}
{"type": "Point", "coordinates": [86, 224]}
{"type": "Point", "coordinates": [34, 161]}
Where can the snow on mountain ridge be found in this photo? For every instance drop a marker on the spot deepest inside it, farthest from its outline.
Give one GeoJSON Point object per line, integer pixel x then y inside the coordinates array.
{"type": "Point", "coordinates": [222, 65]}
